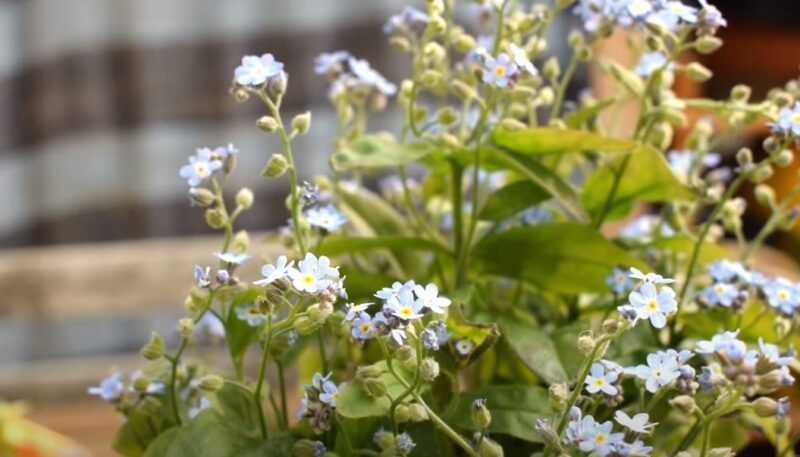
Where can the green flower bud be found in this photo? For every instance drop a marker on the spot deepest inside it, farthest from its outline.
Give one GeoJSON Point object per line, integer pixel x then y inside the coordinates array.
{"type": "Point", "coordinates": [154, 348]}
{"type": "Point", "coordinates": [465, 43]}
{"type": "Point", "coordinates": [765, 195]}
{"type": "Point", "coordinates": [211, 383]}
{"type": "Point", "coordinates": [141, 384]}
{"type": "Point", "coordinates": [564, 4]}
{"type": "Point", "coordinates": [303, 325]}
{"type": "Point", "coordinates": [244, 198]}
{"type": "Point", "coordinates": [611, 326]}
{"type": "Point", "coordinates": [446, 116]}
{"type": "Point", "coordinates": [375, 387]}
{"type": "Point", "coordinates": [558, 396]}
{"type": "Point", "coordinates": [783, 158]}
{"type": "Point", "coordinates": [741, 93]}
{"type": "Point", "coordinates": [697, 72]}
{"type": "Point", "coordinates": [490, 448]}
{"type": "Point", "coordinates": [480, 413]}
{"type": "Point", "coordinates": [575, 39]}
{"type": "Point", "coordinates": [276, 86]}
{"type": "Point", "coordinates": [400, 43]}
{"type": "Point", "coordinates": [304, 448]}
{"type": "Point", "coordinates": [430, 78]}
{"type": "Point", "coordinates": [707, 44]}
{"type": "Point", "coordinates": [276, 166]}
{"type": "Point", "coordinates": [417, 412]}
{"type": "Point", "coordinates": [586, 343]}
{"type": "Point", "coordinates": [202, 196]}
{"type": "Point", "coordinates": [771, 381]}
{"type": "Point", "coordinates": [405, 354]}
{"type": "Point", "coordinates": [267, 124]}
{"type": "Point", "coordinates": [583, 53]}
{"type": "Point", "coordinates": [384, 440]}
{"type": "Point", "coordinates": [240, 94]}
{"type": "Point", "coordinates": [771, 145]}
{"type": "Point", "coordinates": [512, 124]}
{"type": "Point", "coordinates": [782, 99]}
{"type": "Point", "coordinates": [437, 24]}
{"type": "Point", "coordinates": [401, 413]}
{"type": "Point", "coordinates": [551, 69]}
{"type": "Point", "coordinates": [186, 327]}
{"type": "Point", "coordinates": [241, 241]}
{"type": "Point", "coordinates": [463, 90]}
{"type": "Point", "coordinates": [215, 218]}
{"type": "Point", "coordinates": [765, 407]}
{"type": "Point", "coordinates": [683, 403]}
{"type": "Point", "coordinates": [302, 122]}
{"type": "Point", "coordinates": [761, 174]}
{"type": "Point", "coordinates": [744, 157]}
{"type": "Point", "coordinates": [368, 371]}
{"type": "Point", "coordinates": [546, 96]}
{"type": "Point", "coordinates": [429, 370]}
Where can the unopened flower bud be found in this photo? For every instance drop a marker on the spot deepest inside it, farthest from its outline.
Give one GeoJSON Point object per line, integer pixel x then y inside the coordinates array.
{"type": "Point", "coordinates": [761, 174]}
{"type": "Point", "coordinates": [744, 157]}
{"type": "Point", "coordinates": [368, 371]}
{"type": "Point", "coordinates": [765, 195]}
{"type": "Point", "coordinates": [707, 44]}
{"type": "Point", "coordinates": [697, 72]}
{"type": "Point", "coordinates": [551, 69]}
{"type": "Point", "coordinates": [575, 39]}
{"type": "Point", "coordinates": [276, 166]}
{"type": "Point", "coordinates": [480, 413]}
{"type": "Point", "coordinates": [464, 43]}
{"type": "Point", "coordinates": [154, 348]}
{"type": "Point", "coordinates": [375, 387]}
{"type": "Point", "coordinates": [546, 96]}
{"type": "Point", "coordinates": [546, 431]}
{"type": "Point", "coordinates": [186, 327]}
{"type": "Point", "coordinates": [512, 124]}
{"type": "Point", "coordinates": [771, 145]}
{"type": "Point", "coordinates": [302, 122]}
{"type": "Point", "coordinates": [558, 396]}
{"type": "Point", "coordinates": [771, 381]}
{"type": "Point", "coordinates": [400, 43]}
{"type": "Point", "coordinates": [741, 93]}
{"type": "Point", "coordinates": [437, 24]}
{"type": "Point", "coordinates": [241, 241]}
{"type": "Point", "coordinates": [201, 196]}
{"type": "Point", "coordinates": [276, 85]}
{"type": "Point", "coordinates": [490, 448]}
{"type": "Point", "coordinates": [267, 124]}
{"type": "Point", "coordinates": [417, 412]}
{"type": "Point", "coordinates": [586, 343]}
{"type": "Point", "coordinates": [446, 116]}
{"type": "Point", "coordinates": [240, 94]}
{"type": "Point", "coordinates": [429, 370]}
{"type": "Point", "coordinates": [244, 198]}
{"type": "Point", "coordinates": [211, 383]}
{"type": "Point", "coordinates": [215, 218]}
{"type": "Point", "coordinates": [384, 440]}
{"type": "Point", "coordinates": [265, 304]}
{"type": "Point", "coordinates": [684, 403]}
{"type": "Point", "coordinates": [401, 413]}
{"type": "Point", "coordinates": [141, 383]}
{"type": "Point", "coordinates": [430, 78]}
{"type": "Point", "coordinates": [303, 325]}
{"type": "Point", "coordinates": [304, 448]}
{"type": "Point", "coordinates": [611, 326]}
{"type": "Point", "coordinates": [783, 158]}
{"type": "Point", "coordinates": [405, 354]}
{"type": "Point", "coordinates": [765, 407]}
{"type": "Point", "coordinates": [782, 99]}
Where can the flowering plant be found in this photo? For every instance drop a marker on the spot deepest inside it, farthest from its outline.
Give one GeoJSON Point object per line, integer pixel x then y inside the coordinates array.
{"type": "Point", "coordinates": [477, 308]}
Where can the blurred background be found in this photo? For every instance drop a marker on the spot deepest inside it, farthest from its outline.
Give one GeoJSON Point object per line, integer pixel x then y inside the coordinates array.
{"type": "Point", "coordinates": [101, 102]}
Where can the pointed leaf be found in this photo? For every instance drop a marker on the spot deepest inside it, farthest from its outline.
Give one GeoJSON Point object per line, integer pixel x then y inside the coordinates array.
{"type": "Point", "coordinates": [537, 350]}
{"type": "Point", "coordinates": [375, 151]}
{"type": "Point", "coordinates": [511, 199]}
{"type": "Point", "coordinates": [354, 402]}
{"type": "Point", "coordinates": [548, 140]}
{"type": "Point", "coordinates": [340, 245]}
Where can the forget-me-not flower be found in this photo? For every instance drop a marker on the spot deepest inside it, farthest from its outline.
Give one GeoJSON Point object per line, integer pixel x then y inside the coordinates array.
{"type": "Point", "coordinates": [600, 381]}
{"type": "Point", "coordinates": [202, 276]}
{"type": "Point", "coordinates": [201, 166]}
{"type": "Point", "coordinates": [110, 388]}
{"type": "Point", "coordinates": [251, 314]}
{"type": "Point", "coordinates": [327, 218]}
{"type": "Point", "coordinates": [650, 62]}
{"type": "Point", "coordinates": [431, 299]}
{"type": "Point", "coordinates": [362, 327]}
{"type": "Point", "coordinates": [255, 71]}
{"type": "Point", "coordinates": [639, 423]}
{"type": "Point", "coordinates": [330, 392]}
{"type": "Point", "coordinates": [618, 281]}
{"type": "Point", "coordinates": [658, 372]}
{"type": "Point", "coordinates": [652, 304]}
{"type": "Point", "coordinates": [232, 258]}
{"type": "Point", "coordinates": [275, 272]}
{"type": "Point", "coordinates": [721, 293]}
{"type": "Point", "coordinates": [499, 71]}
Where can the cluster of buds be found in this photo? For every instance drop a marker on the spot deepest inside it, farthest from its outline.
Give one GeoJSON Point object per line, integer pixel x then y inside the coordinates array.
{"type": "Point", "coordinates": [319, 403]}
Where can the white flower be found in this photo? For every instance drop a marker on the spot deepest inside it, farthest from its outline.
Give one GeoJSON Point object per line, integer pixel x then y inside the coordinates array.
{"type": "Point", "coordinates": [637, 424]}
{"type": "Point", "coordinates": [521, 59]}
{"type": "Point", "coordinates": [327, 218]}
{"type": "Point", "coordinates": [313, 275]}
{"type": "Point", "coordinates": [354, 310]}
{"type": "Point", "coordinates": [653, 305]}
{"type": "Point", "coordinates": [431, 299]}
{"type": "Point", "coordinates": [657, 373]}
{"type": "Point", "coordinates": [598, 381]}
{"type": "Point", "coordinates": [649, 277]}
{"type": "Point", "coordinates": [232, 258]}
{"type": "Point", "coordinates": [275, 272]}
{"type": "Point", "coordinates": [404, 306]}
{"type": "Point", "coordinates": [394, 291]}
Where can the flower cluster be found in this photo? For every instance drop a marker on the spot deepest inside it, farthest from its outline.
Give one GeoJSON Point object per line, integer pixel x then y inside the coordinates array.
{"type": "Point", "coordinates": [667, 14]}
{"type": "Point", "coordinates": [652, 299]}
{"type": "Point", "coordinates": [319, 402]}
{"type": "Point", "coordinates": [729, 288]}
{"type": "Point", "coordinates": [351, 75]}
{"type": "Point", "coordinates": [599, 438]}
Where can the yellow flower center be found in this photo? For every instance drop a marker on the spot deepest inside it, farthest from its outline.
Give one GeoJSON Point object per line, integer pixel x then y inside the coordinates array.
{"type": "Point", "coordinates": [783, 295]}
{"type": "Point", "coordinates": [719, 289]}
{"type": "Point", "coordinates": [652, 305]}
{"type": "Point", "coordinates": [326, 221]}
{"type": "Point", "coordinates": [406, 311]}
{"type": "Point", "coordinates": [200, 168]}
{"type": "Point", "coordinates": [620, 279]}
{"type": "Point", "coordinates": [252, 311]}
{"type": "Point", "coordinates": [796, 118]}
{"type": "Point", "coordinates": [308, 279]}
{"type": "Point", "coordinates": [365, 327]}
{"type": "Point", "coordinates": [600, 438]}
{"type": "Point", "coordinates": [499, 71]}
{"type": "Point", "coordinates": [258, 71]}
{"type": "Point", "coordinates": [599, 381]}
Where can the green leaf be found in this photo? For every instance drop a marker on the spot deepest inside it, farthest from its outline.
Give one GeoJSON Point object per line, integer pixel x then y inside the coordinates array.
{"type": "Point", "coordinates": [530, 169]}
{"type": "Point", "coordinates": [511, 199]}
{"type": "Point", "coordinates": [236, 404]}
{"type": "Point", "coordinates": [536, 349]}
{"type": "Point", "coordinates": [709, 252]}
{"type": "Point", "coordinates": [141, 427]}
{"type": "Point", "coordinates": [584, 115]}
{"type": "Point", "coordinates": [375, 151]}
{"type": "Point", "coordinates": [161, 445]}
{"type": "Point", "coordinates": [562, 257]}
{"type": "Point", "coordinates": [645, 177]}
{"type": "Point", "coordinates": [354, 402]}
{"type": "Point", "coordinates": [514, 410]}
{"type": "Point", "coordinates": [238, 333]}
{"type": "Point", "coordinates": [548, 140]}
{"type": "Point", "coordinates": [341, 245]}
{"type": "Point", "coordinates": [482, 336]}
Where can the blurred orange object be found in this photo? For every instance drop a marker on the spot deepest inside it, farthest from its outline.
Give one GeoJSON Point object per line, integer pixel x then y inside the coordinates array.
{"type": "Point", "coordinates": [20, 437]}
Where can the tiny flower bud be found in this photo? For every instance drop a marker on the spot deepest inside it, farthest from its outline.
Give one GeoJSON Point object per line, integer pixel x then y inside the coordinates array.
{"type": "Point", "coordinates": [783, 158]}
{"type": "Point", "coordinates": [437, 24]}
{"type": "Point", "coordinates": [586, 343]}
{"type": "Point", "coordinates": [303, 325]}
{"type": "Point", "coordinates": [558, 396]}
{"type": "Point", "coordinates": [765, 195]}
{"type": "Point", "coordinates": [276, 86]}
{"type": "Point", "coordinates": [215, 218]}
{"type": "Point", "coordinates": [267, 124]}
{"type": "Point", "coordinates": [401, 413]}
{"type": "Point", "coordinates": [141, 383]}
{"type": "Point", "coordinates": [429, 370]}
{"type": "Point", "coordinates": [186, 327]}
{"type": "Point", "coordinates": [765, 407]}
{"type": "Point", "coordinates": [744, 157]}
{"type": "Point", "coordinates": [375, 387]}
{"type": "Point", "coordinates": [551, 69]}
{"type": "Point", "coordinates": [201, 196]}
{"type": "Point", "coordinates": [211, 383]}
{"type": "Point", "coordinates": [480, 413]}
{"type": "Point", "coordinates": [244, 198]}
{"type": "Point", "coordinates": [240, 94]}
{"type": "Point", "coordinates": [302, 122]}
{"type": "Point", "coordinates": [512, 124]}
{"type": "Point", "coordinates": [304, 448]}
{"type": "Point", "coordinates": [575, 39]}
{"type": "Point", "coordinates": [611, 326]}
{"type": "Point", "coordinates": [276, 166]}
{"type": "Point", "coordinates": [771, 145]}
{"type": "Point", "coordinates": [417, 412]}
{"type": "Point", "coordinates": [154, 348]}
{"type": "Point", "coordinates": [771, 381]}
{"type": "Point", "coordinates": [430, 78]}
{"type": "Point", "coordinates": [697, 72]}
{"type": "Point", "coordinates": [384, 440]}
{"type": "Point", "coordinates": [464, 43]}
{"type": "Point", "coordinates": [490, 448]}
{"type": "Point", "coordinates": [546, 96]}
{"type": "Point", "coordinates": [684, 403]}
{"type": "Point", "coordinates": [761, 174]}
{"type": "Point", "coordinates": [446, 116]}
{"type": "Point", "coordinates": [741, 93]}
{"type": "Point", "coordinates": [241, 241]}
{"type": "Point", "coordinates": [400, 43]}
{"type": "Point", "coordinates": [405, 354]}
{"type": "Point", "coordinates": [707, 44]}
{"type": "Point", "coordinates": [368, 371]}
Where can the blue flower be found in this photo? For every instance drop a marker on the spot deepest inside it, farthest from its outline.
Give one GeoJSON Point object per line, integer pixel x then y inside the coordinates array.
{"type": "Point", "coordinates": [327, 218]}
{"type": "Point", "coordinates": [618, 281]}
{"type": "Point", "coordinates": [710, 18]}
{"type": "Point", "coordinates": [313, 275]}
{"type": "Point", "coordinates": [330, 392]}
{"type": "Point", "coordinates": [646, 226]}
{"type": "Point", "coordinates": [362, 327]}
{"type": "Point", "coordinates": [394, 291]}
{"type": "Point", "coordinates": [405, 306]}
{"type": "Point", "coordinates": [783, 407]}
{"type": "Point", "coordinates": [232, 258]}
{"type": "Point", "coordinates": [331, 62]}
{"type": "Point", "coordinates": [658, 372]}
{"type": "Point", "coordinates": [522, 60]}
{"type": "Point", "coordinates": [652, 304]}
{"type": "Point", "coordinates": [721, 293]}
{"type": "Point", "coordinates": [726, 344]}
{"type": "Point", "coordinates": [255, 71]}
{"type": "Point", "coordinates": [431, 299]}
{"type": "Point", "coordinates": [200, 167]}
{"type": "Point", "coordinates": [673, 12]}
{"type": "Point", "coordinates": [650, 62]}
{"type": "Point", "coordinates": [600, 381]}
{"type": "Point", "coordinates": [203, 404]}
{"type": "Point", "coordinates": [788, 121]}
{"type": "Point", "coordinates": [404, 443]}
{"type": "Point", "coordinates": [535, 215]}
{"type": "Point", "coordinates": [499, 71]}
{"type": "Point", "coordinates": [435, 335]}
{"type": "Point", "coordinates": [202, 276]}
{"type": "Point", "coordinates": [210, 325]}
{"type": "Point", "coordinates": [639, 9]}
{"type": "Point", "coordinates": [275, 272]}
{"type": "Point", "coordinates": [408, 21]}
{"type": "Point", "coordinates": [251, 314]}
{"type": "Point", "coordinates": [362, 70]}
{"type": "Point", "coordinates": [600, 439]}
{"type": "Point", "coordinates": [649, 277]}
{"type": "Point", "coordinates": [727, 271]}
{"type": "Point", "coordinates": [637, 448]}
{"type": "Point", "coordinates": [110, 388]}
{"type": "Point", "coordinates": [354, 310]}
{"type": "Point", "coordinates": [782, 295]}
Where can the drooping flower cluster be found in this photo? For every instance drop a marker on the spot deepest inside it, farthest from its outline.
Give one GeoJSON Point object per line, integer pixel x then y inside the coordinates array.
{"type": "Point", "coordinates": [319, 402]}
{"type": "Point", "coordinates": [600, 439]}
{"type": "Point", "coordinates": [652, 299]}
{"type": "Point", "coordinates": [349, 74]}
{"type": "Point", "coordinates": [729, 287]}
{"type": "Point", "coordinates": [667, 14]}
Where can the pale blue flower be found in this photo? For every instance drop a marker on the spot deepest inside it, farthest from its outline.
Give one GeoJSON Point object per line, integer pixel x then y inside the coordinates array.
{"type": "Point", "coordinates": [710, 18]}
{"type": "Point", "coordinates": [362, 70]}
{"type": "Point", "coordinates": [522, 60]}
{"type": "Point", "coordinates": [329, 62]}
{"type": "Point", "coordinates": [639, 9]}
{"type": "Point", "coordinates": [635, 449]}
{"type": "Point", "coordinates": [327, 218]}
{"type": "Point", "coordinates": [600, 439]}
{"type": "Point", "coordinates": [674, 13]}
{"type": "Point", "coordinates": [232, 258]}
{"type": "Point", "coordinates": [650, 62]}
{"type": "Point", "coordinates": [658, 372]}
{"type": "Point", "coordinates": [646, 227]}
{"type": "Point", "coordinates": [431, 299]}
{"type": "Point", "coordinates": [653, 278]}
{"type": "Point", "coordinates": [600, 381]}
{"type": "Point", "coordinates": [783, 407]}
{"type": "Point", "coordinates": [683, 163]}
{"type": "Point", "coordinates": [782, 295]}
{"type": "Point", "coordinates": [725, 343]}
{"type": "Point", "coordinates": [499, 71]}
{"type": "Point", "coordinates": [255, 71]}
{"type": "Point", "coordinates": [319, 449]}
{"type": "Point", "coordinates": [202, 276]}
{"type": "Point", "coordinates": [275, 272]}
{"type": "Point", "coordinates": [535, 215]}
{"type": "Point", "coordinates": [772, 353]}
{"type": "Point", "coordinates": [639, 423]}
{"type": "Point", "coordinates": [404, 306]}
{"type": "Point", "coordinates": [152, 387]}
{"type": "Point", "coordinates": [727, 271]}
{"type": "Point", "coordinates": [788, 121]}
{"type": "Point", "coordinates": [354, 310]}
{"type": "Point", "coordinates": [435, 335]}
{"type": "Point", "coordinates": [618, 281]}
{"type": "Point", "coordinates": [362, 327]}
{"type": "Point", "coordinates": [313, 275]}
{"type": "Point", "coordinates": [200, 167]}
{"type": "Point", "coordinates": [652, 304]}
{"type": "Point", "coordinates": [251, 314]}
{"type": "Point", "coordinates": [110, 389]}
{"type": "Point", "coordinates": [394, 291]}
{"type": "Point", "coordinates": [721, 293]}
{"type": "Point", "coordinates": [330, 392]}
{"type": "Point", "coordinates": [405, 443]}
{"type": "Point", "coordinates": [410, 21]}
{"type": "Point", "coordinates": [210, 325]}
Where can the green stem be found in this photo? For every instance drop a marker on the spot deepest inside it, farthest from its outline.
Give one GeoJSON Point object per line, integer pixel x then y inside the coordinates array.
{"type": "Point", "coordinates": [770, 226]}
{"type": "Point", "coordinates": [689, 437]}
{"type": "Point", "coordinates": [322, 355]}
{"type": "Point", "coordinates": [260, 384]}
{"type": "Point", "coordinates": [452, 434]}
{"type": "Point", "coordinates": [282, 387]}
{"type": "Point", "coordinates": [562, 86]}
{"type": "Point", "coordinates": [348, 446]}
{"type": "Point", "coordinates": [791, 444]}
{"type": "Point", "coordinates": [457, 176]}
{"type": "Point", "coordinates": [706, 439]}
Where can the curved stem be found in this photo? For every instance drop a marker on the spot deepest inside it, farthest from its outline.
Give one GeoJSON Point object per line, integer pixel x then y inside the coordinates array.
{"type": "Point", "coordinates": [260, 384]}
{"type": "Point", "coordinates": [562, 86]}
{"type": "Point", "coordinates": [706, 438]}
